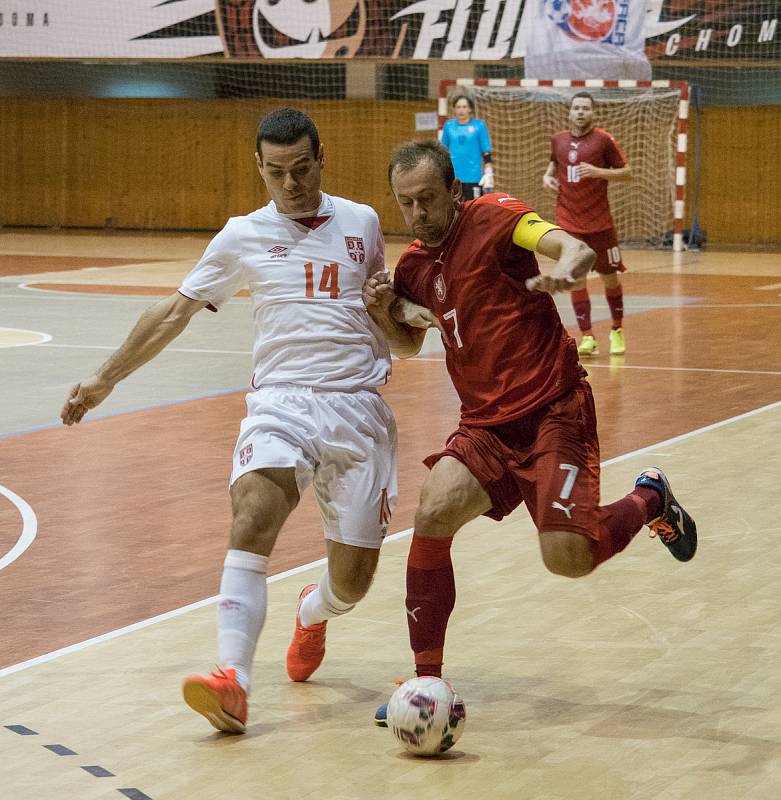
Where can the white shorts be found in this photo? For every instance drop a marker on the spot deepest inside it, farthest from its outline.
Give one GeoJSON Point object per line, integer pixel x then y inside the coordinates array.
{"type": "Point", "coordinates": [344, 443]}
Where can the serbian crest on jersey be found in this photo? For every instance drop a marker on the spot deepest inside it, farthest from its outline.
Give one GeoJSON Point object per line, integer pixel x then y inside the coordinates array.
{"type": "Point", "coordinates": [572, 156]}
{"type": "Point", "coordinates": [588, 20]}
{"type": "Point", "coordinates": [355, 248]}
{"type": "Point", "coordinates": [439, 288]}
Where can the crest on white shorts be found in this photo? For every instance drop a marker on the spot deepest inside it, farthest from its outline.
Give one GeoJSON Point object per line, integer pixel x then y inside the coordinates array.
{"type": "Point", "coordinates": [355, 248]}
{"type": "Point", "coordinates": [245, 455]}
{"type": "Point", "coordinates": [439, 288]}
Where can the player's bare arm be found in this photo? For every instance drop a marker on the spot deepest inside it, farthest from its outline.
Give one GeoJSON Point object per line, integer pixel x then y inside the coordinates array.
{"type": "Point", "coordinates": [549, 179]}
{"type": "Point", "coordinates": [573, 258]}
{"type": "Point", "coordinates": [403, 322]}
{"type": "Point", "coordinates": [590, 171]}
{"type": "Point", "coordinates": [159, 325]}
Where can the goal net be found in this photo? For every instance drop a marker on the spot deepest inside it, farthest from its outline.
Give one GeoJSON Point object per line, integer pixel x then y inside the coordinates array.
{"type": "Point", "coordinates": [648, 119]}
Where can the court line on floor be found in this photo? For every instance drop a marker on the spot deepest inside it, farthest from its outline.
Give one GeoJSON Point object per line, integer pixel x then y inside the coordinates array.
{"type": "Point", "coordinates": [110, 415]}
{"type": "Point", "coordinates": [629, 305]}
{"type": "Point", "coordinates": [53, 294]}
{"type": "Point", "coordinates": [320, 562]}
{"type": "Point", "coordinates": [29, 527]}
{"type": "Point", "coordinates": [43, 338]}
{"type": "Point", "coordinates": [166, 350]}
{"type": "Point", "coordinates": [589, 365]}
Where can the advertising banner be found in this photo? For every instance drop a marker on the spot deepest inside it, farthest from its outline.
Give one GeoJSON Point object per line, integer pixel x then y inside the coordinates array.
{"type": "Point", "coordinates": [481, 30]}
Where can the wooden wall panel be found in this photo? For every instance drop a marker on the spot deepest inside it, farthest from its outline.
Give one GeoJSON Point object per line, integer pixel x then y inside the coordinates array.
{"type": "Point", "coordinates": [171, 164]}
{"type": "Point", "coordinates": [740, 198]}
{"type": "Point", "coordinates": [32, 152]}
{"type": "Point", "coordinates": [185, 164]}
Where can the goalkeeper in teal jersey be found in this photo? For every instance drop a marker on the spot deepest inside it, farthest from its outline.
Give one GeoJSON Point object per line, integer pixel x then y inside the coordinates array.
{"type": "Point", "coordinates": [469, 145]}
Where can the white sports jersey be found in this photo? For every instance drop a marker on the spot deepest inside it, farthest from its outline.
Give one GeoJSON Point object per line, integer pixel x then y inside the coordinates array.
{"type": "Point", "coordinates": [311, 325]}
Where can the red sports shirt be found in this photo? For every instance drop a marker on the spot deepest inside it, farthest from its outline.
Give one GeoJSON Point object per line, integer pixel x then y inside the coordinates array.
{"type": "Point", "coordinates": [582, 205]}
{"type": "Point", "coordinates": [509, 353]}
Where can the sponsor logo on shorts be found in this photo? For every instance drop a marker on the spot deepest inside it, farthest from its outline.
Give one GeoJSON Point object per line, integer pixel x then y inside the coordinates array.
{"type": "Point", "coordinates": [245, 455]}
{"type": "Point", "coordinates": [413, 613]}
{"type": "Point", "coordinates": [355, 248]}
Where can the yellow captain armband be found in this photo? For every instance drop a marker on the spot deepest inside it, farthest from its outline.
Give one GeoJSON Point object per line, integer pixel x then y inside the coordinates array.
{"type": "Point", "coordinates": [530, 229]}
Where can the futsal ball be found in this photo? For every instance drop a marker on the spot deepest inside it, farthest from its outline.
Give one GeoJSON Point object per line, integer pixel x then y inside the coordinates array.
{"type": "Point", "coordinates": [426, 716]}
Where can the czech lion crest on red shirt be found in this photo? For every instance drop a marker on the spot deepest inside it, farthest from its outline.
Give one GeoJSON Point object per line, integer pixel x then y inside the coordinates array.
{"type": "Point", "coordinates": [355, 248]}
{"type": "Point", "coordinates": [439, 288]}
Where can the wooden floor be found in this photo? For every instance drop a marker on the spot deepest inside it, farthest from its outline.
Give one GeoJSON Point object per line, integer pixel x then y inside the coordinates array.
{"type": "Point", "coordinates": [648, 680]}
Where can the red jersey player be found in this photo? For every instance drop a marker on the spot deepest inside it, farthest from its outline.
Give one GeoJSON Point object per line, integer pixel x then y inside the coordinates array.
{"type": "Point", "coordinates": [527, 431]}
{"type": "Point", "coordinates": [583, 159]}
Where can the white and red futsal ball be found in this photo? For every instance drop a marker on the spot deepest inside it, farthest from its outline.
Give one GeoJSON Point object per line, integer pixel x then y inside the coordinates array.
{"type": "Point", "coordinates": [426, 716]}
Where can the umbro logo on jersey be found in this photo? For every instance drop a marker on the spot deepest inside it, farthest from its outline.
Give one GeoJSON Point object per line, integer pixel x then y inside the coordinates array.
{"type": "Point", "coordinates": [279, 251]}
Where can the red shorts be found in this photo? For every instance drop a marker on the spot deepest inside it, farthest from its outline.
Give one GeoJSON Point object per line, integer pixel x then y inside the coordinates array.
{"type": "Point", "coordinates": [548, 459]}
{"type": "Point", "coordinates": [605, 245]}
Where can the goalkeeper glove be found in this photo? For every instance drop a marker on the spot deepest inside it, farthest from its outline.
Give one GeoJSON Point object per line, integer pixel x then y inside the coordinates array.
{"type": "Point", "coordinates": [487, 181]}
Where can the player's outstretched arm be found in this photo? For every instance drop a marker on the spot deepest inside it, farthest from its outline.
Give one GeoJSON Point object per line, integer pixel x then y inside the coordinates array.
{"type": "Point", "coordinates": [574, 260]}
{"type": "Point", "coordinates": [160, 324]}
{"type": "Point", "coordinates": [403, 322]}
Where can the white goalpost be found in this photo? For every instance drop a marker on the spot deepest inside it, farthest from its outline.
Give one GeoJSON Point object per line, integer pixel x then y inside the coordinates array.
{"type": "Point", "coordinates": [648, 119]}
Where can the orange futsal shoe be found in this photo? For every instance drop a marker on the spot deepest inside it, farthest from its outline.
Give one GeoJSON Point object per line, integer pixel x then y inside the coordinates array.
{"type": "Point", "coordinates": [220, 699]}
{"type": "Point", "coordinates": [307, 649]}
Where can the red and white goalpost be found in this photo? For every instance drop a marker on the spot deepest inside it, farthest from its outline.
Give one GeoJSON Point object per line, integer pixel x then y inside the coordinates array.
{"type": "Point", "coordinates": [649, 120]}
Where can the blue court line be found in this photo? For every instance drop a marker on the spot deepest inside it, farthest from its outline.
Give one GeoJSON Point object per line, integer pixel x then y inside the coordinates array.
{"type": "Point", "coordinates": [110, 415]}
{"type": "Point", "coordinates": [93, 769]}
{"type": "Point", "coordinates": [60, 750]}
{"type": "Point", "coordinates": [98, 772]}
{"type": "Point", "coordinates": [21, 730]}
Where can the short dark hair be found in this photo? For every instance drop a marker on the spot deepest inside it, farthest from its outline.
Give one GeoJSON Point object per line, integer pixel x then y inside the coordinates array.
{"type": "Point", "coordinates": [583, 94]}
{"type": "Point", "coordinates": [408, 155]}
{"type": "Point", "coordinates": [468, 100]}
{"type": "Point", "coordinates": [286, 126]}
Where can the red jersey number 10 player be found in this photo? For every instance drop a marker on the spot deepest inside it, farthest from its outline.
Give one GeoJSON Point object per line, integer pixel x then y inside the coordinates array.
{"type": "Point", "coordinates": [583, 160]}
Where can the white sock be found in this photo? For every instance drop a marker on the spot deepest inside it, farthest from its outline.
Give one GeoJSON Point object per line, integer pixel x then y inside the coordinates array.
{"type": "Point", "coordinates": [322, 604]}
{"type": "Point", "coordinates": [241, 611]}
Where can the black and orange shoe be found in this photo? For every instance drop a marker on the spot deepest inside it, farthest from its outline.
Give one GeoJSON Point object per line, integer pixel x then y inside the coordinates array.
{"type": "Point", "coordinates": [674, 526]}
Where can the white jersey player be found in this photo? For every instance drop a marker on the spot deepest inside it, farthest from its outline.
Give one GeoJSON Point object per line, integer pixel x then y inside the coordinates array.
{"type": "Point", "coordinates": [314, 414]}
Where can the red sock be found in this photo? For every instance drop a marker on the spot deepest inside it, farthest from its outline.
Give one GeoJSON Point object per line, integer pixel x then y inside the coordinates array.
{"type": "Point", "coordinates": [621, 521]}
{"type": "Point", "coordinates": [615, 299]}
{"type": "Point", "coordinates": [431, 596]}
{"type": "Point", "coordinates": [581, 302]}
{"type": "Point", "coordinates": [652, 500]}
